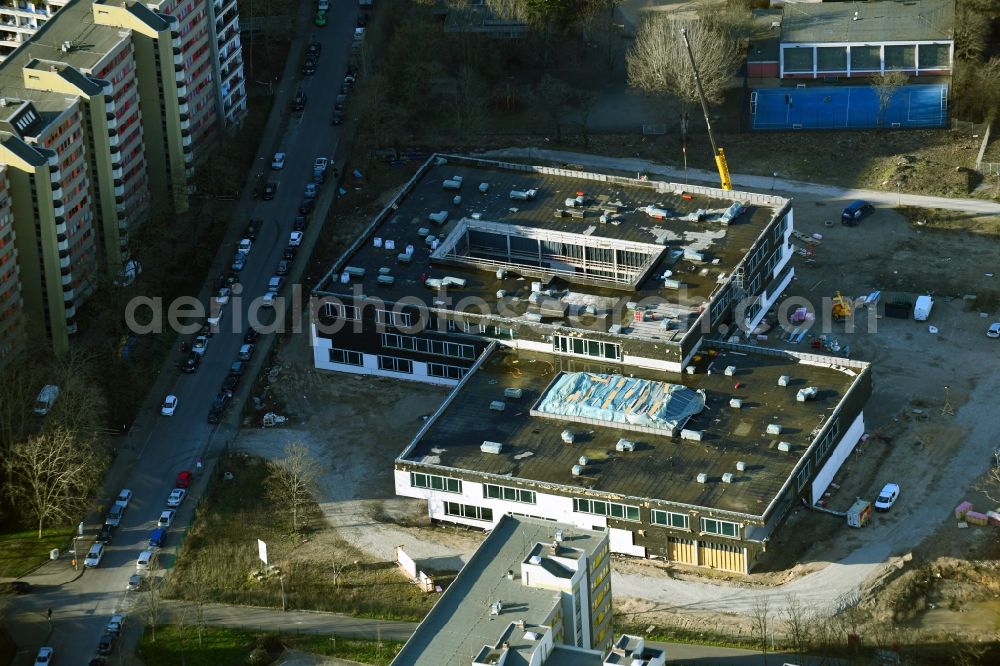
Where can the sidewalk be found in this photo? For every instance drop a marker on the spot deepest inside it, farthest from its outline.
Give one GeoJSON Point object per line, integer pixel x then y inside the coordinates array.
{"type": "Point", "coordinates": [760, 184]}
{"type": "Point", "coordinates": [303, 622]}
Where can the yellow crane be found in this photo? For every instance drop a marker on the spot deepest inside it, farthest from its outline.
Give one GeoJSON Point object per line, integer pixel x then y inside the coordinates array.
{"type": "Point", "coordinates": [720, 156]}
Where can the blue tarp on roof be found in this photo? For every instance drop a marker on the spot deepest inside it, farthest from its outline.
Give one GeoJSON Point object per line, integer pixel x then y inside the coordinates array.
{"type": "Point", "coordinates": [620, 399]}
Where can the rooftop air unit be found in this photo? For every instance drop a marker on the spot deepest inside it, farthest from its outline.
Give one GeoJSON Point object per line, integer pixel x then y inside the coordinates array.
{"type": "Point", "coordinates": [736, 403]}
{"type": "Point", "coordinates": [784, 447]}
{"type": "Point", "coordinates": [514, 393]}
{"type": "Point", "coordinates": [806, 394]}
{"type": "Point", "coordinates": [577, 470]}
{"type": "Point", "coordinates": [773, 429]}
{"type": "Point", "coordinates": [559, 536]}
{"type": "Point", "coordinates": [568, 437]}
{"type": "Point", "coordinates": [694, 435]}
{"type": "Point", "coordinates": [491, 447]}
{"type": "Point", "coordinates": [702, 478]}
{"type": "Point", "coordinates": [730, 370]}
{"type": "Point", "coordinates": [496, 607]}
{"type": "Point", "coordinates": [727, 477]}
{"type": "Point", "coordinates": [784, 380]}
{"type": "Point", "coordinates": [498, 406]}
{"type": "Point", "coordinates": [584, 461]}
{"type": "Point", "coordinates": [741, 466]}
{"type": "Point", "coordinates": [625, 445]}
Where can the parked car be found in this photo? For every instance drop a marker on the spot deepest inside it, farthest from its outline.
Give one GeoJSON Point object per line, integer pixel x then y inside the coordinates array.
{"type": "Point", "coordinates": [359, 33]}
{"type": "Point", "coordinates": [888, 497]}
{"type": "Point", "coordinates": [191, 363]}
{"type": "Point", "coordinates": [306, 206]}
{"type": "Point", "coordinates": [295, 239]}
{"type": "Point", "coordinates": [244, 247]}
{"type": "Point", "coordinates": [311, 190]}
{"type": "Point", "coordinates": [94, 556]}
{"type": "Point", "coordinates": [106, 645]}
{"type": "Point", "coordinates": [270, 189]}
{"type": "Point", "coordinates": [340, 102]}
{"type": "Point", "coordinates": [856, 211]}
{"type": "Point", "coordinates": [246, 352]}
{"type": "Point", "coordinates": [116, 624]}
{"type": "Point", "coordinates": [46, 398]}
{"type": "Point", "coordinates": [314, 49]}
{"type": "Point", "coordinates": [337, 118]}
{"type": "Point", "coordinates": [308, 67]}
{"type": "Point", "coordinates": [223, 296]}
{"type": "Point", "coordinates": [214, 416]}
{"type": "Point", "coordinates": [44, 657]}
{"type": "Point", "coordinates": [300, 222]}
{"type": "Point", "coordinates": [230, 383]}
{"type": "Point", "coordinates": [324, 5]}
{"type": "Point", "coordinates": [239, 261]}
{"type": "Point", "coordinates": [283, 267]}
{"type": "Point", "coordinates": [145, 561]}
{"type": "Point", "coordinates": [105, 534]}
{"type": "Point", "coordinates": [252, 228]}
{"type": "Point", "coordinates": [289, 253]}
{"type": "Point", "coordinates": [994, 330]}
{"type": "Point", "coordinates": [184, 479]}
{"type": "Point", "coordinates": [115, 514]}
{"type": "Point", "coordinates": [278, 162]}
{"type": "Point", "coordinates": [200, 344]}
{"type": "Point", "coordinates": [237, 368]}
{"type": "Point", "coordinates": [169, 405]}
{"type": "Point", "coordinates": [166, 518]}
{"type": "Point", "coordinates": [124, 497]}
{"type": "Point", "coordinates": [267, 300]}
{"type": "Point", "coordinates": [176, 497]}
{"type": "Point", "coordinates": [299, 101]}
{"type": "Point", "coordinates": [320, 19]}
{"type": "Point", "coordinates": [158, 538]}
{"type": "Point", "coordinates": [134, 584]}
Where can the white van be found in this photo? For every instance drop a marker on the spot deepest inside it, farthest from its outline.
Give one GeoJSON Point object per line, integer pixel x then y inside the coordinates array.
{"type": "Point", "coordinates": [114, 517]}
{"type": "Point", "coordinates": [146, 560]}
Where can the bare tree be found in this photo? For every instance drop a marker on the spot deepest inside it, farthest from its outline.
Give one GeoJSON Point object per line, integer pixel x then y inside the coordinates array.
{"type": "Point", "coordinates": [293, 479]}
{"type": "Point", "coordinates": [760, 620]}
{"type": "Point", "coordinates": [20, 382]}
{"type": "Point", "coordinates": [658, 62]}
{"type": "Point", "coordinates": [151, 597]}
{"type": "Point", "coordinates": [469, 93]}
{"type": "Point", "coordinates": [988, 77]}
{"type": "Point", "coordinates": [885, 86]}
{"type": "Point", "coordinates": [53, 476]}
{"type": "Point", "coordinates": [797, 624]}
{"type": "Point", "coordinates": [585, 101]}
{"type": "Point", "coordinates": [972, 30]}
{"type": "Point", "coordinates": [81, 407]}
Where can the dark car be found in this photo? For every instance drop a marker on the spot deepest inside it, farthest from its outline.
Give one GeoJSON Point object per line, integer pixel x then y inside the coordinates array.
{"type": "Point", "coordinates": [362, 19]}
{"type": "Point", "coordinates": [283, 267]}
{"type": "Point", "coordinates": [289, 253]}
{"type": "Point", "coordinates": [314, 49]}
{"type": "Point", "coordinates": [306, 206]}
{"type": "Point", "coordinates": [337, 118]}
{"type": "Point", "coordinates": [214, 415]}
{"type": "Point", "coordinates": [269, 190]}
{"type": "Point", "coordinates": [251, 335]}
{"type": "Point", "coordinates": [345, 87]}
{"type": "Point", "coordinates": [299, 101]}
{"type": "Point", "coordinates": [232, 278]}
{"type": "Point", "coordinates": [309, 66]}
{"type": "Point", "coordinates": [252, 228]}
{"type": "Point", "coordinates": [340, 103]}
{"type": "Point", "coordinates": [300, 223]}
{"type": "Point", "coordinates": [222, 400]}
{"type": "Point", "coordinates": [97, 661]}
{"type": "Point", "coordinates": [230, 383]}
{"type": "Point", "coordinates": [106, 644]}
{"type": "Point", "coordinates": [191, 363]}
{"type": "Point", "coordinates": [106, 533]}
{"type": "Point", "coordinates": [856, 211]}
{"type": "Point", "coordinates": [237, 368]}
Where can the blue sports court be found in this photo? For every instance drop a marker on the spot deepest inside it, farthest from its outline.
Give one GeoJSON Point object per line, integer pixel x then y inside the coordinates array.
{"type": "Point", "coordinates": [847, 107]}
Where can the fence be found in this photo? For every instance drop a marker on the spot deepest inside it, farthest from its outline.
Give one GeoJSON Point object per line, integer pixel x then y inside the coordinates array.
{"type": "Point", "coordinates": [409, 567]}
{"type": "Point", "coordinates": [968, 126]}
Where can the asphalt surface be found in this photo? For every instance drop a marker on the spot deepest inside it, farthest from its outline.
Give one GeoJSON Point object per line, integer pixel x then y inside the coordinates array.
{"type": "Point", "coordinates": [157, 447]}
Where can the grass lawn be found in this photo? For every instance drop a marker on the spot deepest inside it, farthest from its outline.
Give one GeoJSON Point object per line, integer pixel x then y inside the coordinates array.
{"type": "Point", "coordinates": [225, 647]}
{"type": "Point", "coordinates": [320, 570]}
{"type": "Point", "coordinates": [20, 552]}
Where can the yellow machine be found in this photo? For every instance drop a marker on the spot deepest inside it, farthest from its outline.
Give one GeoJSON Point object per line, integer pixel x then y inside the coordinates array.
{"type": "Point", "coordinates": [717, 153]}
{"type": "Point", "coordinates": [841, 307]}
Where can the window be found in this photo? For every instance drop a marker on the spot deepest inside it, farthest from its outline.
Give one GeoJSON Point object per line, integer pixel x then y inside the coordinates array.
{"type": "Point", "coordinates": [720, 527]}
{"type": "Point", "coordinates": [508, 493]}
{"type": "Point", "coordinates": [445, 371]}
{"type": "Point", "coordinates": [597, 507]}
{"type": "Point", "coordinates": [773, 261]}
{"type": "Point", "coordinates": [475, 329]}
{"type": "Point", "coordinates": [393, 318]}
{"type": "Point", "coordinates": [679, 520]}
{"type": "Point", "coordinates": [393, 364]}
{"type": "Point", "coordinates": [583, 347]}
{"type": "Point", "coordinates": [802, 478]}
{"type": "Point", "coordinates": [866, 57]}
{"type": "Point", "coordinates": [346, 357]}
{"type": "Point", "coordinates": [828, 440]}
{"type": "Point", "coordinates": [499, 332]}
{"type": "Point", "coordinates": [779, 231]}
{"type": "Point", "coordinates": [468, 511]}
{"type": "Point", "coordinates": [428, 346]}
{"type": "Point", "coordinates": [934, 56]}
{"type": "Point", "coordinates": [341, 311]}
{"type": "Point", "coordinates": [443, 483]}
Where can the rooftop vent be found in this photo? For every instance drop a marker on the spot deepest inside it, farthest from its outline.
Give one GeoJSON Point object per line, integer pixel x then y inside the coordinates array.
{"type": "Point", "coordinates": [691, 369]}
{"type": "Point", "coordinates": [577, 470]}
{"type": "Point", "coordinates": [806, 394]}
{"type": "Point", "coordinates": [498, 406]}
{"type": "Point", "coordinates": [484, 187]}
{"type": "Point", "coordinates": [730, 370]}
{"type": "Point", "coordinates": [741, 466]}
{"type": "Point", "coordinates": [584, 461]}
{"type": "Point", "coordinates": [491, 447]}
{"type": "Point", "coordinates": [510, 574]}
{"type": "Point", "coordinates": [523, 195]}
{"type": "Point", "coordinates": [694, 435]}
{"type": "Point", "coordinates": [784, 447]}
{"type": "Point", "coordinates": [727, 477]}
{"type": "Point", "coordinates": [453, 183]}
{"type": "Point", "coordinates": [568, 437]}
{"type": "Point", "coordinates": [559, 536]}
{"type": "Point", "coordinates": [625, 445]}
{"type": "Point", "coordinates": [514, 393]}
{"type": "Point", "coordinates": [535, 559]}
{"type": "Point", "coordinates": [496, 607]}
{"type": "Point", "coordinates": [67, 46]}
{"type": "Point", "coordinates": [773, 429]}
{"type": "Point", "coordinates": [784, 380]}
{"type": "Point", "coordinates": [736, 403]}
{"type": "Point", "coordinates": [702, 478]}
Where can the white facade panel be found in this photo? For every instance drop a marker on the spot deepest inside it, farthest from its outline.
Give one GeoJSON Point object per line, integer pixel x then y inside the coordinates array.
{"type": "Point", "coordinates": [623, 541]}
{"type": "Point", "coordinates": [837, 458]}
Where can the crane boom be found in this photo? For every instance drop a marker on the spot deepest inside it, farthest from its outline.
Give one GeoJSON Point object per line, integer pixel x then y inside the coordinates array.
{"type": "Point", "coordinates": [717, 153]}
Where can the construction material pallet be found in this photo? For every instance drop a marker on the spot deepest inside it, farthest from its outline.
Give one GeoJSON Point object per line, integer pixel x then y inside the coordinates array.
{"type": "Point", "coordinates": [805, 238]}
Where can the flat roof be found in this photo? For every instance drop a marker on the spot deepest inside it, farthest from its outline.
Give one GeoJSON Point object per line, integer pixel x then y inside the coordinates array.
{"type": "Point", "coordinates": [460, 624]}
{"type": "Point", "coordinates": [882, 21]}
{"type": "Point", "coordinates": [73, 23]}
{"type": "Point", "coordinates": [765, 35]}
{"type": "Point", "coordinates": [660, 467]}
{"type": "Point", "coordinates": [493, 248]}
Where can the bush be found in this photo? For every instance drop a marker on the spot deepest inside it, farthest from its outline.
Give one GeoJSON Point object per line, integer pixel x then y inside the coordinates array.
{"type": "Point", "coordinates": [271, 643]}
{"type": "Point", "coordinates": [259, 657]}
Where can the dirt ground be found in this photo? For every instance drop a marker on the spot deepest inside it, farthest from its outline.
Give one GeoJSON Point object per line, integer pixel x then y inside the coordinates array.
{"type": "Point", "coordinates": [932, 440]}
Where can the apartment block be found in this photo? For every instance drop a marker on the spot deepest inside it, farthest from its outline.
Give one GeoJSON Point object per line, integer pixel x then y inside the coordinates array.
{"type": "Point", "coordinates": [20, 19]}
{"type": "Point", "coordinates": [534, 592]}
{"type": "Point", "coordinates": [98, 131]}
{"type": "Point", "coordinates": [12, 320]}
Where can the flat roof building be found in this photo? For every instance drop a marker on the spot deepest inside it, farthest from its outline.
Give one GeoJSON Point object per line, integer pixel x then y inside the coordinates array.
{"type": "Point", "coordinates": [532, 589]}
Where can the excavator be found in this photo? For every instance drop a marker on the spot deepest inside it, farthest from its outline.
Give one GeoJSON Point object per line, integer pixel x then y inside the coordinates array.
{"type": "Point", "coordinates": [720, 156]}
{"type": "Point", "coordinates": [841, 309]}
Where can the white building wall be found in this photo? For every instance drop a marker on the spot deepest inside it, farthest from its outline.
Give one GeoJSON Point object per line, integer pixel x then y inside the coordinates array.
{"type": "Point", "coordinates": [623, 541]}
{"type": "Point", "coordinates": [843, 449]}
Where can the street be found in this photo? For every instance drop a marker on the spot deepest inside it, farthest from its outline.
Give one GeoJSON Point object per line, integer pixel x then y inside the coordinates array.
{"type": "Point", "coordinates": [163, 446]}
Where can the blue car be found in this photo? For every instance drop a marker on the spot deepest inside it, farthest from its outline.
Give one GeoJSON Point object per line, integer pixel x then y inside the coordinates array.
{"type": "Point", "coordinates": [856, 211]}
